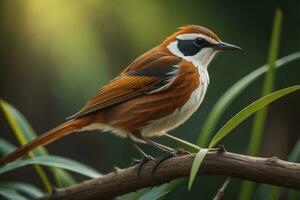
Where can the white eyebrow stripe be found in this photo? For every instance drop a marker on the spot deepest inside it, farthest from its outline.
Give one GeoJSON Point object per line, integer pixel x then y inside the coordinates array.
{"type": "Point", "coordinates": [174, 49]}
{"type": "Point", "coordinates": [192, 36]}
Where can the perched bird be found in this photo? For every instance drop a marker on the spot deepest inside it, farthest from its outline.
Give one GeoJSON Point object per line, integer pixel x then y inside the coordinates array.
{"type": "Point", "coordinates": [156, 93]}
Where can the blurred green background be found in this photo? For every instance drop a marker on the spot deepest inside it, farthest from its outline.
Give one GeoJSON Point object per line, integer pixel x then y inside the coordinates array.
{"type": "Point", "coordinates": [55, 54]}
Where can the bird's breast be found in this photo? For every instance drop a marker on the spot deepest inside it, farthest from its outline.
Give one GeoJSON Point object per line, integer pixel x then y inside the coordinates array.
{"type": "Point", "coordinates": [193, 85]}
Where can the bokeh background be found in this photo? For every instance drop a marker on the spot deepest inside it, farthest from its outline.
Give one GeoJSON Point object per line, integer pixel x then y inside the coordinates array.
{"type": "Point", "coordinates": [55, 54]}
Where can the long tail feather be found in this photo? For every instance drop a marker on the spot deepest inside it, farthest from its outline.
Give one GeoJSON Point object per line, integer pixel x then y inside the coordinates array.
{"type": "Point", "coordinates": [42, 140]}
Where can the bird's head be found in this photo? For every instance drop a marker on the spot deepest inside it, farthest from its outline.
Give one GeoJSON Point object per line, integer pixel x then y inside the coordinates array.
{"type": "Point", "coordinates": [196, 44]}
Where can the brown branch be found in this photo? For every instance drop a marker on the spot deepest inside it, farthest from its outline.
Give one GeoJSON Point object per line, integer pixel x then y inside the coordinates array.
{"type": "Point", "coordinates": [264, 170]}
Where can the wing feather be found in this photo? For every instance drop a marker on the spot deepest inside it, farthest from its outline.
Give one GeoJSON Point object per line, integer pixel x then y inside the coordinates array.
{"type": "Point", "coordinates": [154, 74]}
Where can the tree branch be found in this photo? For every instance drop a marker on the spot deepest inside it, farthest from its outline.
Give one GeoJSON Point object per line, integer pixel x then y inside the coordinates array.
{"type": "Point", "coordinates": [264, 170]}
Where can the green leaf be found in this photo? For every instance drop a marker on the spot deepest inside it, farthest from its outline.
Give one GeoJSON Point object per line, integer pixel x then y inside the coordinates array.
{"type": "Point", "coordinates": [248, 111]}
{"type": "Point", "coordinates": [166, 188]}
{"type": "Point", "coordinates": [230, 95]}
{"type": "Point", "coordinates": [29, 190]}
{"type": "Point", "coordinates": [53, 161]}
{"type": "Point", "coordinates": [294, 195]}
{"type": "Point", "coordinates": [155, 193]}
{"type": "Point", "coordinates": [62, 178]}
{"type": "Point", "coordinates": [17, 123]}
{"type": "Point", "coordinates": [20, 126]}
{"type": "Point", "coordinates": [11, 194]}
{"type": "Point", "coordinates": [6, 147]}
{"type": "Point", "coordinates": [227, 98]}
{"type": "Point", "coordinates": [257, 131]}
{"type": "Point", "coordinates": [25, 133]}
{"type": "Point", "coordinates": [24, 188]}
{"type": "Point", "coordinates": [160, 191]}
{"type": "Point", "coordinates": [259, 120]}
{"type": "Point", "coordinates": [135, 195]}
{"type": "Point", "coordinates": [160, 196]}
{"type": "Point", "coordinates": [295, 154]}
{"type": "Point", "coordinates": [196, 164]}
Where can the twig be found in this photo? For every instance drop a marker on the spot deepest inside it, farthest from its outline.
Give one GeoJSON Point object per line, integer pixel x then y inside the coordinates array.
{"type": "Point", "coordinates": [220, 193]}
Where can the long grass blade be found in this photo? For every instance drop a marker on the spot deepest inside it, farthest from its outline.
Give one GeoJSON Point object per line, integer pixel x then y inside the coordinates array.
{"type": "Point", "coordinates": [11, 194]}
{"type": "Point", "coordinates": [234, 122]}
{"type": "Point", "coordinates": [155, 193]}
{"type": "Point", "coordinates": [25, 133]}
{"type": "Point", "coordinates": [6, 147]}
{"type": "Point", "coordinates": [8, 112]}
{"type": "Point", "coordinates": [195, 167]}
{"type": "Point", "coordinates": [259, 120]}
{"type": "Point", "coordinates": [24, 188]}
{"type": "Point", "coordinates": [53, 161]}
{"type": "Point", "coordinates": [159, 191]}
{"type": "Point", "coordinates": [248, 111]}
{"type": "Point", "coordinates": [230, 95]}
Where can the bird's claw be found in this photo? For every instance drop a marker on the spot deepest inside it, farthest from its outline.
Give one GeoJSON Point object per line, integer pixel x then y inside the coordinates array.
{"type": "Point", "coordinates": [171, 154]}
{"type": "Point", "coordinates": [141, 162]}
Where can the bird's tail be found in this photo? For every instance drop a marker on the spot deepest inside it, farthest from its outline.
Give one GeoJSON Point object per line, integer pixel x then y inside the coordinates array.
{"type": "Point", "coordinates": [44, 139]}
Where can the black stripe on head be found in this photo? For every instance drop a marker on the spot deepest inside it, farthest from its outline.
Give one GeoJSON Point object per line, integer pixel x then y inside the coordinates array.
{"type": "Point", "coordinates": [192, 47]}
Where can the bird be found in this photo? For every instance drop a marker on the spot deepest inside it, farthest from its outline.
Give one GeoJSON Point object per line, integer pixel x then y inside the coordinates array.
{"type": "Point", "coordinates": [153, 95]}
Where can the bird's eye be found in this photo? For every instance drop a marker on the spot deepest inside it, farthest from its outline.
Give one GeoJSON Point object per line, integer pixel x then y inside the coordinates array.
{"type": "Point", "coordinates": [200, 42]}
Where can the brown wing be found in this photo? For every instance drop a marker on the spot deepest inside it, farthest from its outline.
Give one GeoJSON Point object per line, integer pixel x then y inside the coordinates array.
{"type": "Point", "coordinates": [152, 72]}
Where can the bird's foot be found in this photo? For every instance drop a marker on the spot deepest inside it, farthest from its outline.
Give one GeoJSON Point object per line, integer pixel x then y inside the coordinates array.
{"type": "Point", "coordinates": [141, 162]}
{"type": "Point", "coordinates": [171, 154]}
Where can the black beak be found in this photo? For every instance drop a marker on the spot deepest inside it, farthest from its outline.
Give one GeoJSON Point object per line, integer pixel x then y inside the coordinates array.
{"type": "Point", "coordinates": [225, 47]}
